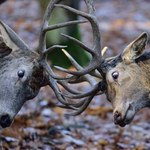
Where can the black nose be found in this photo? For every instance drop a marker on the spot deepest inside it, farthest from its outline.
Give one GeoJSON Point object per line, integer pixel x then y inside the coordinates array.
{"type": "Point", "coordinates": [5, 121]}
{"type": "Point", "coordinates": [117, 117]}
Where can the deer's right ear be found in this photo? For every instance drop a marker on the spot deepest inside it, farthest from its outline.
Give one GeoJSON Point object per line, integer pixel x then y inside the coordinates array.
{"type": "Point", "coordinates": [10, 41]}
{"type": "Point", "coordinates": [135, 49]}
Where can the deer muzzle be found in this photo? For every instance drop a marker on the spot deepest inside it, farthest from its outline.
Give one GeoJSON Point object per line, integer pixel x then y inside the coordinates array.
{"type": "Point", "coordinates": [124, 116]}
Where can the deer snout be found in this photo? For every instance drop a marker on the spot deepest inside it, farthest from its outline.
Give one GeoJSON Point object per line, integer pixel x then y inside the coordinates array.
{"type": "Point", "coordinates": [117, 117]}
{"type": "Point", "coordinates": [124, 116]}
{"type": "Point", "coordinates": [5, 121]}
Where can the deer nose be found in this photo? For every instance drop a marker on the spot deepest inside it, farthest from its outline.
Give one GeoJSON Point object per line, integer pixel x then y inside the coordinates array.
{"type": "Point", "coordinates": [5, 121]}
{"type": "Point", "coordinates": [117, 117]}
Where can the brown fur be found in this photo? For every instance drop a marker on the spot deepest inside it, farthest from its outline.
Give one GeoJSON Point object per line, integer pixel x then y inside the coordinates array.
{"type": "Point", "coordinates": [130, 91]}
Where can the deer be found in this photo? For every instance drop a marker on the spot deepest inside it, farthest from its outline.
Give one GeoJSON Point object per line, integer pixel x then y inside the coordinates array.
{"type": "Point", "coordinates": [124, 79]}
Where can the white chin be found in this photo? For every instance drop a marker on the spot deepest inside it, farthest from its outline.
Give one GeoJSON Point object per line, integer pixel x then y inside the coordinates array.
{"type": "Point", "coordinates": [130, 114]}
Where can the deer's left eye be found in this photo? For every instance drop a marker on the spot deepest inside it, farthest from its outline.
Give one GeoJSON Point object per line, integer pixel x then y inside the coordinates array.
{"type": "Point", "coordinates": [21, 73]}
{"type": "Point", "coordinates": [115, 75]}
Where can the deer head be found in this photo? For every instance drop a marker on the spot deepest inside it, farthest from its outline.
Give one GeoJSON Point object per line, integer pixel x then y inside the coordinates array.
{"type": "Point", "coordinates": [127, 81]}
{"type": "Point", "coordinates": [21, 74]}
{"type": "Point", "coordinates": [124, 78]}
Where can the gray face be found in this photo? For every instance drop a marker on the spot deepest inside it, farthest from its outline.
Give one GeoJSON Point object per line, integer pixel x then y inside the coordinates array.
{"type": "Point", "coordinates": [20, 75]}
{"type": "Point", "coordinates": [18, 83]}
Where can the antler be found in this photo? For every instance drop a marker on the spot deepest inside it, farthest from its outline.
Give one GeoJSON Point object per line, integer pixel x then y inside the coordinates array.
{"type": "Point", "coordinates": [89, 74]}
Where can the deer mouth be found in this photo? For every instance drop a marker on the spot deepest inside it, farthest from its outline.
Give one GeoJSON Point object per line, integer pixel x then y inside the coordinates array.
{"type": "Point", "coordinates": [128, 117]}
{"type": "Point", "coordinates": [124, 122]}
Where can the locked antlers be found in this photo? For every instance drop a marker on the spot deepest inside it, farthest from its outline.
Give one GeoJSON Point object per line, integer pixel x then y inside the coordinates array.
{"type": "Point", "coordinates": [90, 73]}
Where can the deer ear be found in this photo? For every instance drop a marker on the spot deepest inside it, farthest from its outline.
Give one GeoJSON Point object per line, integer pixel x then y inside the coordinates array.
{"type": "Point", "coordinates": [9, 41]}
{"type": "Point", "coordinates": [135, 49]}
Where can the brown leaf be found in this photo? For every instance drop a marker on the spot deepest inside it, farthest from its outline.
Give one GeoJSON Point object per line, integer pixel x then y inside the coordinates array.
{"type": "Point", "coordinates": [99, 110]}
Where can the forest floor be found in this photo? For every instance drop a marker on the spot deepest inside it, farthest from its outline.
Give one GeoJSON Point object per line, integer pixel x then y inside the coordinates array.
{"type": "Point", "coordinates": [42, 125]}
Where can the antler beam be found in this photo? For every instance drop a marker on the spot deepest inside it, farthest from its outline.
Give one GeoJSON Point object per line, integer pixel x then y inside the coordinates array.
{"type": "Point", "coordinates": [81, 74]}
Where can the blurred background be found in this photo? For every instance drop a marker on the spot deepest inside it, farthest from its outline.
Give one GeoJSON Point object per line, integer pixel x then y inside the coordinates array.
{"type": "Point", "coordinates": [42, 125]}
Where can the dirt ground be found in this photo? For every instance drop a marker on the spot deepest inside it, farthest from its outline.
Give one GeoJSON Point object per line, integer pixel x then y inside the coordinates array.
{"type": "Point", "coordinates": [40, 125]}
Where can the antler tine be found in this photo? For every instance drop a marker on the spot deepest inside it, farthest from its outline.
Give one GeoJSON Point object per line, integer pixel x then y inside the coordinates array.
{"type": "Point", "coordinates": [42, 39]}
{"type": "Point", "coordinates": [59, 96]}
{"type": "Point", "coordinates": [57, 91]}
{"type": "Point", "coordinates": [67, 88]}
{"type": "Point", "coordinates": [95, 27]}
{"type": "Point", "coordinates": [50, 49]}
{"type": "Point", "coordinates": [65, 24]}
{"type": "Point", "coordinates": [53, 84]}
{"type": "Point", "coordinates": [82, 45]}
{"type": "Point", "coordinates": [91, 17]}
{"type": "Point", "coordinates": [84, 105]}
{"type": "Point", "coordinates": [82, 95]}
{"type": "Point", "coordinates": [92, 66]}
{"type": "Point", "coordinates": [96, 90]}
{"type": "Point", "coordinates": [78, 67]}
{"type": "Point", "coordinates": [45, 27]}
{"type": "Point", "coordinates": [66, 107]}
{"type": "Point", "coordinates": [94, 73]}
{"type": "Point", "coordinates": [75, 79]}
{"type": "Point", "coordinates": [76, 105]}
{"type": "Point", "coordinates": [52, 74]}
{"type": "Point", "coordinates": [96, 51]}
{"type": "Point", "coordinates": [87, 77]}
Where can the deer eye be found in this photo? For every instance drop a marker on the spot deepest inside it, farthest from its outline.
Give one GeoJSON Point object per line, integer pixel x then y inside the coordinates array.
{"type": "Point", "coordinates": [115, 75]}
{"type": "Point", "coordinates": [21, 73]}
